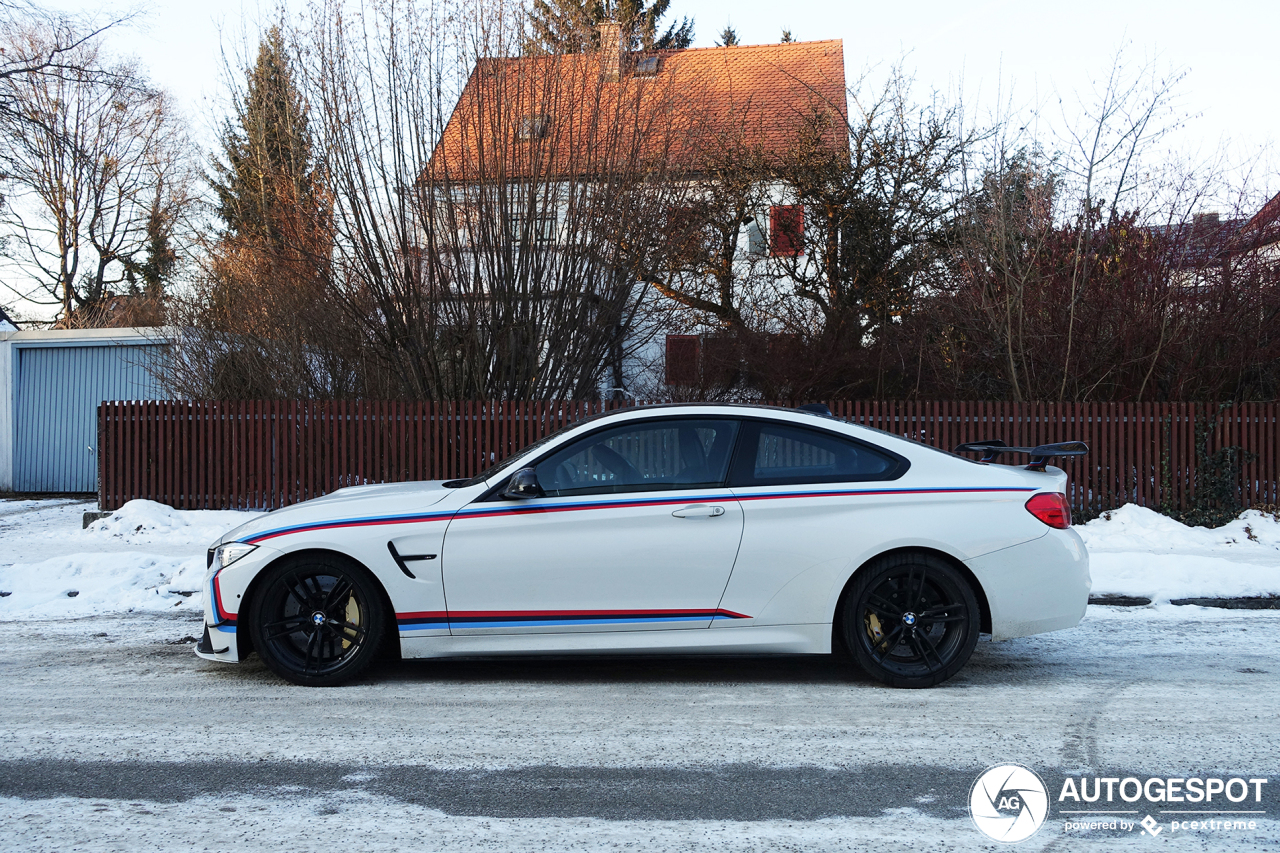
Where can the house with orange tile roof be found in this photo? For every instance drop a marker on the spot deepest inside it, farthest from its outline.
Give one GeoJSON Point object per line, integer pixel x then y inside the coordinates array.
{"type": "Point", "coordinates": [760, 94]}
{"type": "Point", "coordinates": [539, 120]}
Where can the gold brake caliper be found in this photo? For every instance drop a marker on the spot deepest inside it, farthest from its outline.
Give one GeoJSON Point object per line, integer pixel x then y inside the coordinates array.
{"type": "Point", "coordinates": [874, 630]}
{"type": "Point", "coordinates": [353, 618]}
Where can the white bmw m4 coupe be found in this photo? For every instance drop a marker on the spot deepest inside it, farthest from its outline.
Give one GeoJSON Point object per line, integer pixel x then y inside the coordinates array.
{"type": "Point", "coordinates": [683, 529]}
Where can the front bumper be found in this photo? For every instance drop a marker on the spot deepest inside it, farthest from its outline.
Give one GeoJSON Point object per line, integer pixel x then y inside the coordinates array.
{"type": "Point", "coordinates": [218, 643]}
{"type": "Point", "coordinates": [1037, 586]}
{"type": "Point", "coordinates": [224, 591]}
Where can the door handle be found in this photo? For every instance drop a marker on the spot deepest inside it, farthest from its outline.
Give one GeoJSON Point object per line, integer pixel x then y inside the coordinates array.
{"type": "Point", "coordinates": [699, 511]}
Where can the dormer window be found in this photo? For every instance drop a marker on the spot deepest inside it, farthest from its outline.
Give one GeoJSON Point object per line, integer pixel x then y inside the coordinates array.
{"type": "Point", "coordinates": [533, 127]}
{"type": "Point", "coordinates": [646, 66]}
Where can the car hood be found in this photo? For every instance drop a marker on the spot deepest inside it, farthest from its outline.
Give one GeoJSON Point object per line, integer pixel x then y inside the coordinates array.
{"type": "Point", "coordinates": [351, 502]}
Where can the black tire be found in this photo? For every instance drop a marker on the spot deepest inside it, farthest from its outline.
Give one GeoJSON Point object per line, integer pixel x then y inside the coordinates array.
{"type": "Point", "coordinates": [317, 620]}
{"type": "Point", "coordinates": [910, 620]}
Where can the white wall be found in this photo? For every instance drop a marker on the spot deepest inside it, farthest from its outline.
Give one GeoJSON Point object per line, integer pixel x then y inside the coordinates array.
{"type": "Point", "coordinates": [6, 411]}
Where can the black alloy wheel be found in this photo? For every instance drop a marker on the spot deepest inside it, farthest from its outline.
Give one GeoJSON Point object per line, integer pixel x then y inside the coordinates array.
{"type": "Point", "coordinates": [911, 620]}
{"type": "Point", "coordinates": [317, 620]}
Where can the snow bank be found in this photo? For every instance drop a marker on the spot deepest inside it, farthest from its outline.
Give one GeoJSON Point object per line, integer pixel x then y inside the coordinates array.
{"type": "Point", "coordinates": [148, 522]}
{"type": "Point", "coordinates": [1139, 552]}
{"type": "Point", "coordinates": [150, 557]}
{"type": "Point", "coordinates": [112, 569]}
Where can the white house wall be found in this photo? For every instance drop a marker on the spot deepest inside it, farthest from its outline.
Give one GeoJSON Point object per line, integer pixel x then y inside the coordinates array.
{"type": "Point", "coordinates": [644, 350]}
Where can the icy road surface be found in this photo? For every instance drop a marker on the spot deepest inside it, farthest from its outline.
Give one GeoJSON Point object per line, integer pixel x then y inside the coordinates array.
{"type": "Point", "coordinates": [113, 736]}
{"type": "Point", "coordinates": [112, 731]}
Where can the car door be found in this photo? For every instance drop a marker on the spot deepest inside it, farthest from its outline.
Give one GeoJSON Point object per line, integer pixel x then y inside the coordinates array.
{"type": "Point", "coordinates": [637, 531]}
{"type": "Point", "coordinates": [809, 497]}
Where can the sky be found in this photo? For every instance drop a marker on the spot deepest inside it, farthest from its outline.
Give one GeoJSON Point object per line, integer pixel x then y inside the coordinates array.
{"type": "Point", "coordinates": [1007, 51]}
{"type": "Point", "coordinates": [1033, 56]}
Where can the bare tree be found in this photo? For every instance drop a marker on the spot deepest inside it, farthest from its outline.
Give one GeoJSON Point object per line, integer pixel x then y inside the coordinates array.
{"type": "Point", "coordinates": [95, 170]}
{"type": "Point", "coordinates": [499, 252]}
{"type": "Point", "coordinates": [839, 229]}
{"type": "Point", "coordinates": [1130, 111]}
{"type": "Point", "coordinates": [37, 42]}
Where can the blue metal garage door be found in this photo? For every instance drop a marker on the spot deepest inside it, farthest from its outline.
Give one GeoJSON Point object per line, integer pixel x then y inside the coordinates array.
{"type": "Point", "coordinates": [56, 410]}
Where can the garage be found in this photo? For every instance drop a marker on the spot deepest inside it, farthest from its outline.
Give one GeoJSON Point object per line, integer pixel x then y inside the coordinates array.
{"type": "Point", "coordinates": [51, 383]}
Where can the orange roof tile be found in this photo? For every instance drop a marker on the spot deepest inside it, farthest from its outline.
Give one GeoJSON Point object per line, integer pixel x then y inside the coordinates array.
{"type": "Point", "coordinates": [557, 115]}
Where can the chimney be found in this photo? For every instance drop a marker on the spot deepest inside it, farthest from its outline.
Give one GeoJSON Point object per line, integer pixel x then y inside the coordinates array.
{"type": "Point", "coordinates": [611, 50]}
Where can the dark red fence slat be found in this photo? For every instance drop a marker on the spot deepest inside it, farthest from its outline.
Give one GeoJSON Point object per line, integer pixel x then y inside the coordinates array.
{"type": "Point", "coordinates": [268, 454]}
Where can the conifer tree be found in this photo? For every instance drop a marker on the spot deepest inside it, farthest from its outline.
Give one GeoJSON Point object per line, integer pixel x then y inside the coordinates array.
{"type": "Point", "coordinates": [267, 269]}
{"type": "Point", "coordinates": [267, 171]}
{"type": "Point", "coordinates": [570, 26]}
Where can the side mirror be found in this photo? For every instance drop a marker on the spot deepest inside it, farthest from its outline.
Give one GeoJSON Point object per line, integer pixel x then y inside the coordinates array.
{"type": "Point", "coordinates": [523, 485]}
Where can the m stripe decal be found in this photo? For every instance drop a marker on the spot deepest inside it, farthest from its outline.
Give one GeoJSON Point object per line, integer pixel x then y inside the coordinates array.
{"type": "Point", "coordinates": [417, 518]}
{"type": "Point", "coordinates": [486, 512]}
{"type": "Point", "coordinates": [223, 621]}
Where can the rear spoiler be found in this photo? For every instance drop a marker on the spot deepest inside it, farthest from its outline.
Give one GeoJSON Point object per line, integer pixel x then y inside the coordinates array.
{"type": "Point", "coordinates": [992, 448]}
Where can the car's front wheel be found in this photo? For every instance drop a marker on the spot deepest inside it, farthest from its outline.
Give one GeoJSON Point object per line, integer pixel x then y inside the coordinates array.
{"type": "Point", "coordinates": [317, 620]}
{"type": "Point", "coordinates": [911, 620]}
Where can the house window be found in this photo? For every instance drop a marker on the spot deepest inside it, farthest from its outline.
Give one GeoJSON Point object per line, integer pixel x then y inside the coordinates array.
{"type": "Point", "coordinates": [646, 66]}
{"type": "Point", "coordinates": [540, 228]}
{"type": "Point", "coordinates": [686, 232]}
{"type": "Point", "coordinates": [786, 230]}
{"type": "Point", "coordinates": [682, 359]}
{"type": "Point", "coordinates": [756, 243]}
{"type": "Point", "coordinates": [533, 126]}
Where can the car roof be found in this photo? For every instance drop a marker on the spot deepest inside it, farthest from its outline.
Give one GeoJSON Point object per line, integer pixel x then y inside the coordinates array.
{"type": "Point", "coordinates": [708, 405]}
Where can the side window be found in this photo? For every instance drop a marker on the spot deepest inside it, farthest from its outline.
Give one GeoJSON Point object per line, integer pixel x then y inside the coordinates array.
{"type": "Point", "coordinates": [653, 456]}
{"type": "Point", "coordinates": [779, 454]}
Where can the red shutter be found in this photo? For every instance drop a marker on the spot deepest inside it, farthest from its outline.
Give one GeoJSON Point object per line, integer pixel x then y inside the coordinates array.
{"type": "Point", "coordinates": [786, 230]}
{"type": "Point", "coordinates": [682, 359]}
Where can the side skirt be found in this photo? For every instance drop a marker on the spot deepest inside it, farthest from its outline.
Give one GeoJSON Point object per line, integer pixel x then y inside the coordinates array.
{"type": "Point", "coordinates": [770, 639]}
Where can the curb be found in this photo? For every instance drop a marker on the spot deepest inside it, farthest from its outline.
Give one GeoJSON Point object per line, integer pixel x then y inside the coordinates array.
{"type": "Point", "coordinates": [92, 515]}
{"type": "Point", "coordinates": [1262, 602]}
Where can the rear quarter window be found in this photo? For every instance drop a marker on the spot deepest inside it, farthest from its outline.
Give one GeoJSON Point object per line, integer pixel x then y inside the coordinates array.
{"type": "Point", "coordinates": [771, 453]}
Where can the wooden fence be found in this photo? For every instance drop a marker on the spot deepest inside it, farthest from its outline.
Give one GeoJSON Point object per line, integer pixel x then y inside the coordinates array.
{"type": "Point", "coordinates": [269, 454]}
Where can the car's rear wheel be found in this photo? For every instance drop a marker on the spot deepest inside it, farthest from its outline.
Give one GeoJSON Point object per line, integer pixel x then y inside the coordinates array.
{"type": "Point", "coordinates": [317, 620]}
{"type": "Point", "coordinates": [911, 620]}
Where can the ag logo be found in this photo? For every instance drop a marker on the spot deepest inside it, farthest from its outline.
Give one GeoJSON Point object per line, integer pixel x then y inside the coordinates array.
{"type": "Point", "coordinates": [1008, 803]}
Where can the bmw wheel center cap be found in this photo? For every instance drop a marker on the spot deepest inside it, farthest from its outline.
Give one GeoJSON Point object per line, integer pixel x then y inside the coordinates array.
{"type": "Point", "coordinates": [909, 619]}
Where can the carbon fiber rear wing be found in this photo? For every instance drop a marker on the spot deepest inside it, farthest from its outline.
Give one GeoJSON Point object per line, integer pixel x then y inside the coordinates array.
{"type": "Point", "coordinates": [1040, 456]}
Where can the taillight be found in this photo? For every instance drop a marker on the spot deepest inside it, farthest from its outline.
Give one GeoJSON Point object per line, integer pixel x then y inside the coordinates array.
{"type": "Point", "coordinates": [1051, 508]}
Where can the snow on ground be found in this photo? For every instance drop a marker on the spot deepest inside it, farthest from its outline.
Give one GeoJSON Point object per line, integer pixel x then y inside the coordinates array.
{"type": "Point", "coordinates": [1139, 552]}
{"type": "Point", "coordinates": [144, 557]}
{"type": "Point", "coordinates": [374, 824]}
{"type": "Point", "coordinates": [150, 557]}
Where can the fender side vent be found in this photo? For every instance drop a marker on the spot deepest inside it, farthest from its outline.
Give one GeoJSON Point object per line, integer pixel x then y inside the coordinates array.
{"type": "Point", "coordinates": [402, 560]}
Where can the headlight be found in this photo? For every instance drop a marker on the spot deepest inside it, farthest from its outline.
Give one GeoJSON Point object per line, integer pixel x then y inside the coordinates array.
{"type": "Point", "coordinates": [225, 555]}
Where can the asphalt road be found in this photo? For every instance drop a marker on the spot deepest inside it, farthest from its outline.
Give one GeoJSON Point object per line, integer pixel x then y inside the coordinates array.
{"type": "Point", "coordinates": [113, 724]}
